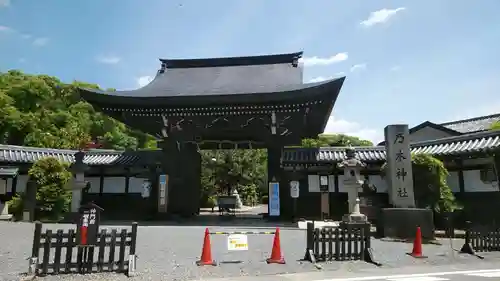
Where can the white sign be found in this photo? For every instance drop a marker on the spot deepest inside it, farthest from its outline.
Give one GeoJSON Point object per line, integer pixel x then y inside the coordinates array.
{"type": "Point", "coordinates": [323, 180]}
{"type": "Point", "coordinates": [294, 189]}
{"type": "Point", "coordinates": [399, 167]}
{"type": "Point", "coordinates": [146, 189]}
{"type": "Point", "coordinates": [274, 199]}
{"type": "Point", "coordinates": [237, 242]}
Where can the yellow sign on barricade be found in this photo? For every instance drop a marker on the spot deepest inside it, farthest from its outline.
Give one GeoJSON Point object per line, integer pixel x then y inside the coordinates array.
{"type": "Point", "coordinates": [237, 242]}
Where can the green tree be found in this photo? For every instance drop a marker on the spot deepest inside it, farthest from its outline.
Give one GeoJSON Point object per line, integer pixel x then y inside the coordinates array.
{"type": "Point", "coordinates": [326, 140]}
{"type": "Point", "coordinates": [40, 110]}
{"type": "Point", "coordinates": [245, 170]}
{"type": "Point", "coordinates": [53, 195]}
{"type": "Point", "coordinates": [495, 126]}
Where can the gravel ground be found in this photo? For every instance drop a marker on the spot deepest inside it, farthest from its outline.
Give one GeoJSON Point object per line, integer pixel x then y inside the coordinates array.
{"type": "Point", "coordinates": [170, 252]}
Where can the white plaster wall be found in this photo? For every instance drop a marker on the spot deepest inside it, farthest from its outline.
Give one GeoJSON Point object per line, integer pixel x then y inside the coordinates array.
{"type": "Point", "coordinates": [473, 183]}
{"type": "Point", "coordinates": [114, 185]}
{"type": "Point", "coordinates": [135, 185]}
{"type": "Point", "coordinates": [313, 183]}
{"type": "Point", "coordinates": [94, 184]}
{"type": "Point", "coordinates": [453, 181]}
{"type": "Point", "coordinates": [22, 180]}
{"type": "Point", "coordinates": [342, 187]}
{"type": "Point", "coordinates": [379, 182]}
{"type": "Point", "coordinates": [428, 133]}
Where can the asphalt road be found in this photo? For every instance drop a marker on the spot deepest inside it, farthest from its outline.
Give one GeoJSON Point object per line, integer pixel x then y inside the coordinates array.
{"type": "Point", "coordinates": [476, 272]}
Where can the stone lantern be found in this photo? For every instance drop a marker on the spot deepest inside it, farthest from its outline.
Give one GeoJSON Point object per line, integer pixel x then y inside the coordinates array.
{"type": "Point", "coordinates": [352, 180]}
{"type": "Point", "coordinates": [78, 184]}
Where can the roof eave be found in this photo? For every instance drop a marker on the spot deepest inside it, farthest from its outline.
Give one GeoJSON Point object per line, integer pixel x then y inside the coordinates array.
{"type": "Point", "coordinates": [330, 88]}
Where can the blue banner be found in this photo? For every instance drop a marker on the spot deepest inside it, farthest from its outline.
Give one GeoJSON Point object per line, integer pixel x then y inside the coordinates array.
{"type": "Point", "coordinates": [274, 199]}
{"type": "Point", "coordinates": [163, 179]}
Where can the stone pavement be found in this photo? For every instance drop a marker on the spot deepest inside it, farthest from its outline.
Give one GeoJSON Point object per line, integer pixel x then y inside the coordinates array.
{"type": "Point", "coordinates": [170, 252]}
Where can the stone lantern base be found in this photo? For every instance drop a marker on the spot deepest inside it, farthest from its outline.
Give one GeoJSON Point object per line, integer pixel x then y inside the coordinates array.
{"type": "Point", "coordinates": [356, 216]}
{"type": "Point", "coordinates": [4, 211]}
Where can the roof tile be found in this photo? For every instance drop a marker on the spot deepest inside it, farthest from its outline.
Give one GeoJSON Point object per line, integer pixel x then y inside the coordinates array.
{"type": "Point", "coordinates": [21, 154]}
{"type": "Point", "coordinates": [457, 145]}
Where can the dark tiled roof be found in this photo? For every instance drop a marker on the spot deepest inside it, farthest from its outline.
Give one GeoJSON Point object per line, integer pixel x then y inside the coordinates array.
{"type": "Point", "coordinates": [232, 61]}
{"type": "Point", "coordinates": [222, 76]}
{"type": "Point", "coordinates": [332, 154]}
{"type": "Point", "coordinates": [456, 145]}
{"type": "Point", "coordinates": [22, 154]}
{"type": "Point", "coordinates": [472, 125]}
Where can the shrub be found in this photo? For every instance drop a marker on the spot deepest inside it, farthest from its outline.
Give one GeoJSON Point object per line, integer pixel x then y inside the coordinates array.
{"type": "Point", "coordinates": [53, 196]}
{"type": "Point", "coordinates": [16, 205]}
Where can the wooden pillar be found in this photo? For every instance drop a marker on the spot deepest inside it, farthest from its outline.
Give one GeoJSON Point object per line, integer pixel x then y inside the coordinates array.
{"type": "Point", "coordinates": [496, 160]}
{"type": "Point", "coordinates": [127, 180]}
{"type": "Point", "coordinates": [461, 180]}
{"type": "Point", "coordinates": [101, 181]}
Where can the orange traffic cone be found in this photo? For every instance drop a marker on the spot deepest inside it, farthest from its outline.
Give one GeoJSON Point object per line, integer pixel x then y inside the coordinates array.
{"type": "Point", "coordinates": [276, 256]}
{"type": "Point", "coordinates": [206, 251]}
{"type": "Point", "coordinates": [417, 245]}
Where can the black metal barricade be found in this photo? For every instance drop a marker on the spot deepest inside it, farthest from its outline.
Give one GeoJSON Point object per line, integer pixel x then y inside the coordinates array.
{"type": "Point", "coordinates": [68, 256]}
{"type": "Point", "coordinates": [348, 241]}
{"type": "Point", "coordinates": [481, 238]}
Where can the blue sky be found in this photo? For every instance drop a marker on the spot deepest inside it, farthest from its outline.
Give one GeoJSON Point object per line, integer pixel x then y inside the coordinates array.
{"type": "Point", "coordinates": [405, 61]}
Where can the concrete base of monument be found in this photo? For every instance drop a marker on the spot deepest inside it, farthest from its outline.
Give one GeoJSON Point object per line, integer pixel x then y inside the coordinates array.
{"type": "Point", "coordinates": [402, 223]}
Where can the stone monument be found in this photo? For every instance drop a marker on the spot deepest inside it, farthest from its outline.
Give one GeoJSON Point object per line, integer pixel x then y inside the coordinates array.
{"type": "Point", "coordinates": [402, 219]}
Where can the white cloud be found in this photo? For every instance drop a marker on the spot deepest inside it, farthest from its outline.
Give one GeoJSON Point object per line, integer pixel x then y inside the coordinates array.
{"type": "Point", "coordinates": [144, 80]}
{"type": "Point", "coordinates": [5, 29]}
{"type": "Point", "coordinates": [41, 41]}
{"type": "Point", "coordinates": [26, 36]}
{"type": "Point", "coordinates": [341, 126]}
{"type": "Point", "coordinates": [358, 67]}
{"type": "Point", "coordinates": [312, 61]}
{"type": "Point", "coordinates": [324, 78]}
{"type": "Point", "coordinates": [109, 59]}
{"type": "Point", "coordinates": [4, 3]}
{"type": "Point", "coordinates": [380, 16]}
{"type": "Point", "coordinates": [396, 68]}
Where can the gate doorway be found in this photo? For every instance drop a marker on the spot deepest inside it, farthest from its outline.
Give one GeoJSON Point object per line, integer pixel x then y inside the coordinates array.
{"type": "Point", "coordinates": [234, 183]}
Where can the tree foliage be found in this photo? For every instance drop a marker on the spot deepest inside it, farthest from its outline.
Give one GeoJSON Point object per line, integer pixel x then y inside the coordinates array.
{"type": "Point", "coordinates": [41, 111]}
{"type": "Point", "coordinates": [245, 170]}
{"type": "Point", "coordinates": [326, 140]}
{"type": "Point", "coordinates": [495, 126]}
{"type": "Point", "coordinates": [430, 184]}
{"type": "Point", "coordinates": [53, 195]}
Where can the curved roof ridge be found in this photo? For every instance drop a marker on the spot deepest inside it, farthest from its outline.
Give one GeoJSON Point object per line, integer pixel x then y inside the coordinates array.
{"type": "Point", "coordinates": [483, 134]}
{"type": "Point", "coordinates": [470, 119]}
{"type": "Point", "coordinates": [232, 61]}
